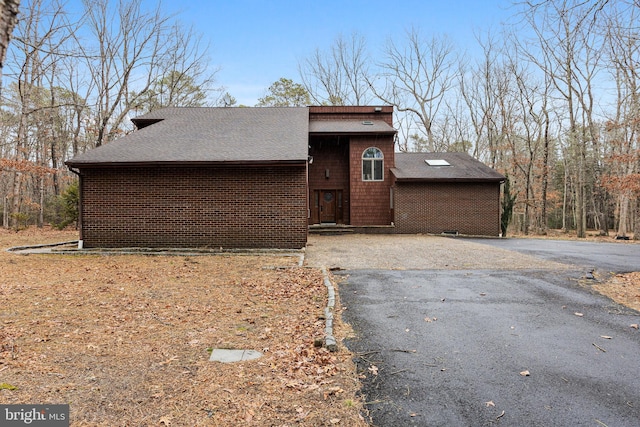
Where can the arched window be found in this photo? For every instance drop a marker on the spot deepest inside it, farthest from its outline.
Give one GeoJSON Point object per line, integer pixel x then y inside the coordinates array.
{"type": "Point", "coordinates": [372, 164]}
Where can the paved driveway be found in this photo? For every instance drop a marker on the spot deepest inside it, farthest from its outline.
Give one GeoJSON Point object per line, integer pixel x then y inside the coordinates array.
{"type": "Point", "coordinates": [447, 342]}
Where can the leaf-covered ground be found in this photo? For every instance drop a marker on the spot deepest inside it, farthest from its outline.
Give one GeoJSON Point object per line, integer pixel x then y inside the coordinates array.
{"type": "Point", "coordinates": [623, 289]}
{"type": "Point", "coordinates": [125, 340]}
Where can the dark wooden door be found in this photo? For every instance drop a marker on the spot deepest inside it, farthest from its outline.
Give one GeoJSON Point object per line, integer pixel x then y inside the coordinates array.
{"type": "Point", "coordinates": [328, 206]}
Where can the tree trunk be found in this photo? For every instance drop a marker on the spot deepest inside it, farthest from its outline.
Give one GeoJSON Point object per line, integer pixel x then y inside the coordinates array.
{"type": "Point", "coordinates": [41, 212]}
{"type": "Point", "coordinates": [8, 20]}
{"type": "Point", "coordinates": [564, 200]}
{"type": "Point", "coordinates": [580, 202]}
{"type": "Point", "coordinates": [5, 212]}
{"type": "Point", "coordinates": [623, 216]}
{"type": "Point", "coordinates": [545, 174]}
{"type": "Point", "coordinates": [636, 220]}
{"type": "Point", "coordinates": [15, 209]}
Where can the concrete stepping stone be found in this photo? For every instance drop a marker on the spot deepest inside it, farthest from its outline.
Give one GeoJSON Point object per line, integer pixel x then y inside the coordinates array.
{"type": "Point", "coordinates": [229, 356]}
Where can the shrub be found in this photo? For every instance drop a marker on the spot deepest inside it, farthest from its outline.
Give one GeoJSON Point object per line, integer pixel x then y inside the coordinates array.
{"type": "Point", "coordinates": [68, 206]}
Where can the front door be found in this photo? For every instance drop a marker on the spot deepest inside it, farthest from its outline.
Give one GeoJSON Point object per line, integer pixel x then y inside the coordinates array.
{"type": "Point", "coordinates": [328, 206]}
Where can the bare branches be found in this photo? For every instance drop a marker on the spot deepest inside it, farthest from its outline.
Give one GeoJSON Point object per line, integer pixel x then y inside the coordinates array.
{"type": "Point", "coordinates": [339, 75]}
{"type": "Point", "coordinates": [417, 75]}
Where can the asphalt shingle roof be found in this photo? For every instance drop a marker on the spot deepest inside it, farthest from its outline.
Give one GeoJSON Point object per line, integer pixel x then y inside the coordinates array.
{"type": "Point", "coordinates": [208, 135]}
{"type": "Point", "coordinates": [463, 168]}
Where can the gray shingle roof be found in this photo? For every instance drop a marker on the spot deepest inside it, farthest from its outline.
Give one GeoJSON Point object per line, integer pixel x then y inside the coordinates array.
{"type": "Point", "coordinates": [350, 126]}
{"type": "Point", "coordinates": [208, 135]}
{"type": "Point", "coordinates": [463, 168]}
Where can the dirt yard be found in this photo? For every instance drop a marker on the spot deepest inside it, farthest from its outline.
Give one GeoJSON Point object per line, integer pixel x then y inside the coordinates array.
{"type": "Point", "coordinates": [125, 340]}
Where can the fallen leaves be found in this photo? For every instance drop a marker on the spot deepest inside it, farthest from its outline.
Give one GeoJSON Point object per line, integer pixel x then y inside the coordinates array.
{"type": "Point", "coordinates": [623, 289]}
{"type": "Point", "coordinates": [332, 391]}
{"type": "Point", "coordinates": [110, 332]}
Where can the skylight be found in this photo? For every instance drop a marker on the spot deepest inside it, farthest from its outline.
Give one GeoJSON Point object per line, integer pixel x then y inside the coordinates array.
{"type": "Point", "coordinates": [437, 162]}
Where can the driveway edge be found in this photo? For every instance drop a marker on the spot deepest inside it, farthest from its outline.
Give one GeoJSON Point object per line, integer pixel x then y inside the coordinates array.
{"type": "Point", "coordinates": [329, 340]}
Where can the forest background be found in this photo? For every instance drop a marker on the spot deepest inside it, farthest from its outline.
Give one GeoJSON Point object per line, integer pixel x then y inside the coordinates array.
{"type": "Point", "coordinates": [551, 100]}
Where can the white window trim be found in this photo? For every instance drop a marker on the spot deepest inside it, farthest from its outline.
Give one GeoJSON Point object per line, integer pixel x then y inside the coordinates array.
{"type": "Point", "coordinates": [372, 160]}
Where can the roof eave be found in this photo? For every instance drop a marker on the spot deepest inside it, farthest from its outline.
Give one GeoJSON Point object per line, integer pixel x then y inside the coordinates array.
{"type": "Point", "coordinates": [382, 132]}
{"type": "Point", "coordinates": [455, 180]}
{"type": "Point", "coordinates": [251, 163]}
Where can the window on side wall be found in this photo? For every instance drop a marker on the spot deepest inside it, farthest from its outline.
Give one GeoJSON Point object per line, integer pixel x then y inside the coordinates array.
{"type": "Point", "coordinates": [372, 164]}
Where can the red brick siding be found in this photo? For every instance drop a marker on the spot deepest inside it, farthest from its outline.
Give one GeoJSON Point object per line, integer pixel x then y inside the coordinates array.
{"type": "Point", "coordinates": [370, 200]}
{"type": "Point", "coordinates": [234, 207]}
{"type": "Point", "coordinates": [330, 154]}
{"type": "Point", "coordinates": [468, 208]}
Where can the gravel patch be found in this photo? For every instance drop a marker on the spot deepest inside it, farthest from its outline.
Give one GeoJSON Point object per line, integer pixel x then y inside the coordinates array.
{"type": "Point", "coordinates": [414, 252]}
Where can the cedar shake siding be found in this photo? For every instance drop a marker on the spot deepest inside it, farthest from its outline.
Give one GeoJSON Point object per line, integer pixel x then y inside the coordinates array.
{"type": "Point", "coordinates": [228, 207]}
{"type": "Point", "coordinates": [370, 200]}
{"type": "Point", "coordinates": [348, 113]}
{"type": "Point", "coordinates": [329, 172]}
{"type": "Point", "coordinates": [338, 137]}
{"type": "Point", "coordinates": [433, 208]}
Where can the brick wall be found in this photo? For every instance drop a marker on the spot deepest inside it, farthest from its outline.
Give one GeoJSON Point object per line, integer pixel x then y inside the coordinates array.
{"type": "Point", "coordinates": [370, 201]}
{"type": "Point", "coordinates": [468, 208]}
{"type": "Point", "coordinates": [233, 207]}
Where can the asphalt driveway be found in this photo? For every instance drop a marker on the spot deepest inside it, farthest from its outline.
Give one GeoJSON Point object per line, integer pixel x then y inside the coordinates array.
{"type": "Point", "coordinates": [508, 334]}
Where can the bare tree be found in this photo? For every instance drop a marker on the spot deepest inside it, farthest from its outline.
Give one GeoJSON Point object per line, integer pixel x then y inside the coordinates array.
{"type": "Point", "coordinates": [526, 135]}
{"type": "Point", "coordinates": [339, 75]}
{"type": "Point", "coordinates": [623, 128]}
{"type": "Point", "coordinates": [129, 42]}
{"type": "Point", "coordinates": [567, 51]}
{"type": "Point", "coordinates": [416, 78]}
{"type": "Point", "coordinates": [38, 42]}
{"type": "Point", "coordinates": [481, 87]}
{"type": "Point", "coordinates": [184, 76]}
{"type": "Point", "coordinates": [140, 49]}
